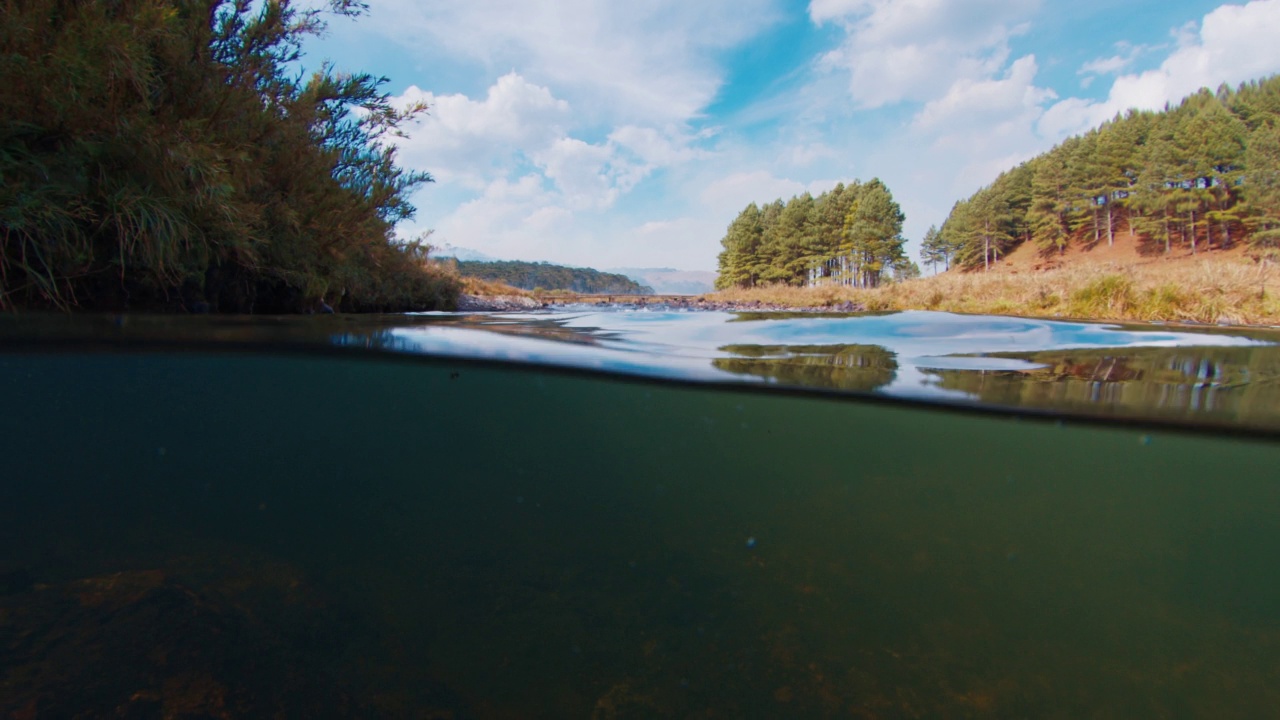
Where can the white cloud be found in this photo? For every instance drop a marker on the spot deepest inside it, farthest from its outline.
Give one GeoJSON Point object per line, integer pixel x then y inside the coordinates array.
{"type": "Point", "coordinates": [970, 102]}
{"type": "Point", "coordinates": [806, 154]}
{"type": "Point", "coordinates": [1232, 44]}
{"type": "Point", "coordinates": [515, 149]}
{"type": "Point", "coordinates": [1115, 63]}
{"type": "Point", "coordinates": [736, 191]}
{"type": "Point", "coordinates": [647, 62]}
{"type": "Point", "coordinates": [898, 50]}
{"type": "Point", "coordinates": [584, 173]}
{"type": "Point", "coordinates": [464, 139]}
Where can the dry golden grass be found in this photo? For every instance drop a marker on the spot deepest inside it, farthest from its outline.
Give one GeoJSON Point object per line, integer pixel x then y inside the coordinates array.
{"type": "Point", "coordinates": [1232, 291]}
{"type": "Point", "coordinates": [491, 288]}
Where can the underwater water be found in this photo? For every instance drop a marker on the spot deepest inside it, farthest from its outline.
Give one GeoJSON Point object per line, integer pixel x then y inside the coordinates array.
{"type": "Point", "coordinates": [394, 518]}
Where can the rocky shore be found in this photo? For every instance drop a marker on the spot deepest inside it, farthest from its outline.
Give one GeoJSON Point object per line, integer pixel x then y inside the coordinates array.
{"type": "Point", "coordinates": [658, 303]}
{"type": "Point", "coordinates": [497, 303]}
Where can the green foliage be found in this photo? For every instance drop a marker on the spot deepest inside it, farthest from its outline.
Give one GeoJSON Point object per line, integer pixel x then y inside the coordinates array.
{"type": "Point", "coordinates": [805, 240]}
{"type": "Point", "coordinates": [1050, 213]}
{"type": "Point", "coordinates": [934, 251]}
{"type": "Point", "coordinates": [873, 229]}
{"type": "Point", "coordinates": [1263, 189]}
{"type": "Point", "coordinates": [163, 154]}
{"type": "Point", "coordinates": [545, 276]}
{"type": "Point", "coordinates": [1201, 173]}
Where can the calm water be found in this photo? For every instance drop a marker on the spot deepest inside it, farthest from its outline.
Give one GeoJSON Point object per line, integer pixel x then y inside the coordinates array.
{"type": "Point", "coordinates": [384, 518]}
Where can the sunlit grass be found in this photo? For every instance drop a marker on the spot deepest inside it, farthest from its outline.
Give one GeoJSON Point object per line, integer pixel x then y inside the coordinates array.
{"type": "Point", "coordinates": [1230, 291]}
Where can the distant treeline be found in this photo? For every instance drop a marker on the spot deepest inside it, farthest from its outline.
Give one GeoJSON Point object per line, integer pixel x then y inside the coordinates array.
{"type": "Point", "coordinates": [545, 276]}
{"type": "Point", "coordinates": [851, 235]}
{"type": "Point", "coordinates": [167, 154]}
{"type": "Point", "coordinates": [1204, 173]}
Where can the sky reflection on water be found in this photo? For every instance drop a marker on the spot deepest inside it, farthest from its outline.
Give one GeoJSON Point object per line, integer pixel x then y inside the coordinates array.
{"type": "Point", "coordinates": [682, 344]}
{"type": "Point", "coordinates": [1225, 376]}
{"type": "Point", "coordinates": [1131, 369]}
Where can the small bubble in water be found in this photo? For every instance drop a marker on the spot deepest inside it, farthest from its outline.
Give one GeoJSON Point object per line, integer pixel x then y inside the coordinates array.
{"type": "Point", "coordinates": [751, 543]}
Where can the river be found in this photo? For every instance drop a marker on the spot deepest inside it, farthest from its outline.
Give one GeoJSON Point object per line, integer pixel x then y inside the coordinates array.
{"type": "Point", "coordinates": [637, 514]}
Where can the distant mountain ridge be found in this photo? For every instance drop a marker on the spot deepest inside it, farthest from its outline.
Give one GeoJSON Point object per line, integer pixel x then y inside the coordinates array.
{"type": "Point", "coordinates": [461, 253]}
{"type": "Point", "coordinates": [669, 281]}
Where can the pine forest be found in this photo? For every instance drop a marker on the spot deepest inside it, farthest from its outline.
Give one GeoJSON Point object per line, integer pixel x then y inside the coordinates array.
{"type": "Point", "coordinates": [1204, 174]}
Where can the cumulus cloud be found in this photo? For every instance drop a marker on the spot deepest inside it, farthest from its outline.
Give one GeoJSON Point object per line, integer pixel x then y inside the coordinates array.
{"type": "Point", "coordinates": [1232, 44]}
{"type": "Point", "coordinates": [897, 50]}
{"type": "Point", "coordinates": [518, 127]}
{"type": "Point", "coordinates": [583, 172]}
{"type": "Point", "coordinates": [988, 100]}
{"type": "Point", "coordinates": [465, 140]}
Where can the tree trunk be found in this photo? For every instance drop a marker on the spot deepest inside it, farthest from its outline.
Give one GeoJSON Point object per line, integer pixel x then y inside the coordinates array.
{"type": "Point", "coordinates": [1111, 237]}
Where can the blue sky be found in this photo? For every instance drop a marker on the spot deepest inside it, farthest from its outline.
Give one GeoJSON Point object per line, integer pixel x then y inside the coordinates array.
{"type": "Point", "coordinates": [608, 134]}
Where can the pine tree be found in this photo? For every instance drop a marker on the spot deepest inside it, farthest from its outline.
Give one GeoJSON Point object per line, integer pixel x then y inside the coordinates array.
{"type": "Point", "coordinates": [741, 245]}
{"type": "Point", "coordinates": [1154, 197]}
{"type": "Point", "coordinates": [1119, 149]}
{"type": "Point", "coordinates": [1262, 190]}
{"type": "Point", "coordinates": [991, 219]}
{"type": "Point", "coordinates": [874, 231]}
{"type": "Point", "coordinates": [1088, 186]}
{"type": "Point", "coordinates": [934, 250]}
{"type": "Point", "coordinates": [1219, 148]}
{"type": "Point", "coordinates": [1050, 202]}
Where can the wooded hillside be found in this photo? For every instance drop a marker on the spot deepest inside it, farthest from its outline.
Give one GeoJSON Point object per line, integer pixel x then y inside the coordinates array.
{"type": "Point", "coordinates": [1205, 173]}
{"type": "Point", "coordinates": [545, 276]}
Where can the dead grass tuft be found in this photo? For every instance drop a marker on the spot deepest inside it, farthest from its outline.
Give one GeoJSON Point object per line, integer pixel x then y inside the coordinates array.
{"type": "Point", "coordinates": [1228, 290]}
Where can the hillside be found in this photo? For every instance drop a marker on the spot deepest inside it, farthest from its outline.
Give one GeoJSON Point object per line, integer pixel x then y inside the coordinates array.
{"type": "Point", "coordinates": [1201, 175]}
{"type": "Point", "coordinates": [1128, 250]}
{"type": "Point", "coordinates": [545, 276]}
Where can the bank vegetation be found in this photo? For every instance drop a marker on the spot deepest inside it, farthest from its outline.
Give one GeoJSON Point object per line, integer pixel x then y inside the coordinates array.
{"type": "Point", "coordinates": [169, 155]}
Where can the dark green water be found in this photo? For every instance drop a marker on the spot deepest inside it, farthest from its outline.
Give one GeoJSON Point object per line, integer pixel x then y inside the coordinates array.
{"type": "Point", "coordinates": [252, 535]}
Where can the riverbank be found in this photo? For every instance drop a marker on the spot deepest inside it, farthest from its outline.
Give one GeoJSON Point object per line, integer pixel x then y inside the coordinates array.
{"type": "Point", "coordinates": [509, 302]}
{"type": "Point", "coordinates": [1214, 290]}
{"type": "Point", "coordinates": [1218, 288]}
